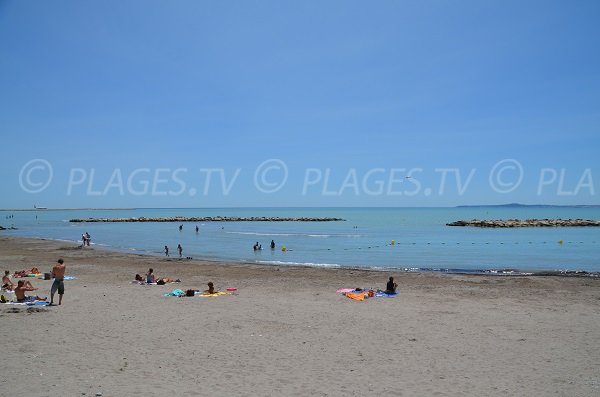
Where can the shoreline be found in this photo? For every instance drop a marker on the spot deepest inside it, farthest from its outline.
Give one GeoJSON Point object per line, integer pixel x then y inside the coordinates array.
{"type": "Point", "coordinates": [508, 272]}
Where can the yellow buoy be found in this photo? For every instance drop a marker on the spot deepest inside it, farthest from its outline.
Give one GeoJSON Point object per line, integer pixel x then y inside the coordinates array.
{"type": "Point", "coordinates": [393, 242]}
{"type": "Point", "coordinates": [560, 242]}
{"type": "Point", "coordinates": [283, 248]}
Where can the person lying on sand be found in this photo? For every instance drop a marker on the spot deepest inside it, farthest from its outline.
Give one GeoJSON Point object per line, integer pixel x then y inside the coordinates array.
{"type": "Point", "coordinates": [25, 286]}
{"type": "Point", "coordinates": [167, 280]}
{"type": "Point", "coordinates": [7, 283]}
{"type": "Point", "coordinates": [25, 273]}
{"type": "Point", "coordinates": [139, 279]}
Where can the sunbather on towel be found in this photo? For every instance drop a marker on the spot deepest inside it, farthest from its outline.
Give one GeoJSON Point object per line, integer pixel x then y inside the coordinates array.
{"type": "Point", "coordinates": [7, 282]}
{"type": "Point", "coordinates": [25, 286]}
{"type": "Point", "coordinates": [150, 278]}
{"type": "Point", "coordinates": [25, 273]}
{"type": "Point", "coordinates": [211, 289]}
{"type": "Point", "coordinates": [167, 280]}
{"type": "Point", "coordinates": [391, 286]}
{"type": "Point", "coordinates": [139, 279]}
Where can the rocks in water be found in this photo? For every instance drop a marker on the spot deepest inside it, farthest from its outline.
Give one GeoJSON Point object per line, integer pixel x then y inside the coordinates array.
{"type": "Point", "coordinates": [210, 219]}
{"type": "Point", "coordinates": [526, 223]}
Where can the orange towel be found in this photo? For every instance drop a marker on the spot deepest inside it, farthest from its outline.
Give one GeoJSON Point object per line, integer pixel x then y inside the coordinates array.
{"type": "Point", "coordinates": [359, 296]}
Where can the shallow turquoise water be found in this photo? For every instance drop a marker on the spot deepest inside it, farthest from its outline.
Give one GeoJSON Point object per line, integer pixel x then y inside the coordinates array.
{"type": "Point", "coordinates": [422, 240]}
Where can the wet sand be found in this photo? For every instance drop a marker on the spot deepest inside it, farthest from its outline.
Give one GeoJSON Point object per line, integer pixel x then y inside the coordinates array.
{"type": "Point", "coordinates": [288, 333]}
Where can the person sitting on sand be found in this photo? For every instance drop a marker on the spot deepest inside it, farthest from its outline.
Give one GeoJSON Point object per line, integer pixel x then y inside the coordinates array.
{"type": "Point", "coordinates": [139, 279]}
{"type": "Point", "coordinates": [150, 278]}
{"type": "Point", "coordinates": [211, 289]}
{"type": "Point", "coordinates": [7, 283]}
{"type": "Point", "coordinates": [391, 286]}
{"type": "Point", "coordinates": [25, 286]}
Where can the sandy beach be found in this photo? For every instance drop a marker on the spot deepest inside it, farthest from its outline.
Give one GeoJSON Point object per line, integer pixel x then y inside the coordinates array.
{"type": "Point", "coordinates": [288, 333]}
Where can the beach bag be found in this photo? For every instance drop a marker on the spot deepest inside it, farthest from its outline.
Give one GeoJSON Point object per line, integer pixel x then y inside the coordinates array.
{"type": "Point", "coordinates": [190, 292]}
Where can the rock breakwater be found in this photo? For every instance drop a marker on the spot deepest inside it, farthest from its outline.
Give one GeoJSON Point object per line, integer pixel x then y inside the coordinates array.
{"type": "Point", "coordinates": [526, 223]}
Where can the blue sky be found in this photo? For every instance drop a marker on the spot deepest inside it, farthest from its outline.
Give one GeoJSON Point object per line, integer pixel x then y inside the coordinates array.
{"type": "Point", "coordinates": [352, 98]}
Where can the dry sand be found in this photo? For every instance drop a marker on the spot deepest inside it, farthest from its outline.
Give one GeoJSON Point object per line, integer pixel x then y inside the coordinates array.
{"type": "Point", "coordinates": [287, 332]}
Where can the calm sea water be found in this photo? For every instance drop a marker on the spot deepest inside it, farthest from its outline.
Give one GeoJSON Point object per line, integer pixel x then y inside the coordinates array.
{"type": "Point", "coordinates": [422, 240]}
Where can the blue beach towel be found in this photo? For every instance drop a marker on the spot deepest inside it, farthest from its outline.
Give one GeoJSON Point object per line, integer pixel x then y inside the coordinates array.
{"type": "Point", "coordinates": [382, 294]}
{"type": "Point", "coordinates": [176, 292]}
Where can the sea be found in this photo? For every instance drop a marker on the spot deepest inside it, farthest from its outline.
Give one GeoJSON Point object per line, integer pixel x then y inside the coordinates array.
{"type": "Point", "coordinates": [399, 239]}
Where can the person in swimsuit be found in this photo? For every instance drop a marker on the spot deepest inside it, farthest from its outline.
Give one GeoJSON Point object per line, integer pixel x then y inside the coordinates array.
{"type": "Point", "coordinates": [211, 288]}
{"type": "Point", "coordinates": [58, 272]}
{"type": "Point", "coordinates": [150, 278]}
{"type": "Point", "coordinates": [21, 288]}
{"type": "Point", "coordinates": [7, 282]}
{"type": "Point", "coordinates": [391, 286]}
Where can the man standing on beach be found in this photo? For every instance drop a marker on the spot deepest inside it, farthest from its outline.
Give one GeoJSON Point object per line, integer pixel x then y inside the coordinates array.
{"type": "Point", "coordinates": [58, 272]}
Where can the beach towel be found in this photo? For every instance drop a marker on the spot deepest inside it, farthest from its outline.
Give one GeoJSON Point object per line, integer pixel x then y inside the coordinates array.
{"type": "Point", "coordinates": [359, 296]}
{"type": "Point", "coordinates": [382, 294]}
{"type": "Point", "coordinates": [176, 292]}
{"type": "Point", "coordinates": [32, 303]}
{"type": "Point", "coordinates": [220, 293]}
{"type": "Point", "coordinates": [70, 278]}
{"type": "Point", "coordinates": [344, 290]}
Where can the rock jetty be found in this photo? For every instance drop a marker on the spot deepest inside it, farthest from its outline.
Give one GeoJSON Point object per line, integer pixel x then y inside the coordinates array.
{"type": "Point", "coordinates": [209, 219]}
{"type": "Point", "coordinates": [526, 223]}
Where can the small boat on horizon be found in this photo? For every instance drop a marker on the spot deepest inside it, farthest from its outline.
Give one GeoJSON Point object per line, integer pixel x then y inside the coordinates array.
{"type": "Point", "coordinates": [40, 208]}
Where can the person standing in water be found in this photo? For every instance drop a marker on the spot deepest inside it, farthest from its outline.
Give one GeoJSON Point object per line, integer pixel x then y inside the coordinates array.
{"type": "Point", "coordinates": [272, 244]}
{"type": "Point", "coordinates": [179, 249]}
{"type": "Point", "coordinates": [166, 250]}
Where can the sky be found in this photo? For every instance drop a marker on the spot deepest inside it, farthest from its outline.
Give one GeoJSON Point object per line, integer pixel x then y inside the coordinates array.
{"type": "Point", "coordinates": [312, 103]}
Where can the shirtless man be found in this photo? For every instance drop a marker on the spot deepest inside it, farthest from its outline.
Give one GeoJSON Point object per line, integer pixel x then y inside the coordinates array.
{"type": "Point", "coordinates": [211, 288]}
{"type": "Point", "coordinates": [58, 272]}
{"type": "Point", "coordinates": [7, 282]}
{"type": "Point", "coordinates": [21, 288]}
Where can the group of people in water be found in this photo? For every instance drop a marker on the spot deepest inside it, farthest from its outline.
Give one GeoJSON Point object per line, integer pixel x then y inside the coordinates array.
{"type": "Point", "coordinates": [23, 286]}
{"type": "Point", "coordinates": [179, 250]}
{"type": "Point", "coordinates": [258, 247]}
{"type": "Point", "coordinates": [86, 239]}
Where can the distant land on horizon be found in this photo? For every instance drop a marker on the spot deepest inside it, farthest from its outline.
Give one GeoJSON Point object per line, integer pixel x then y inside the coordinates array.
{"type": "Point", "coordinates": [518, 205]}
